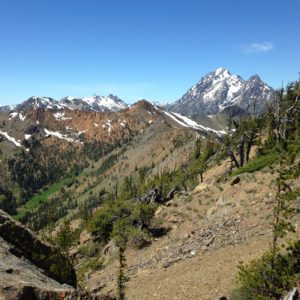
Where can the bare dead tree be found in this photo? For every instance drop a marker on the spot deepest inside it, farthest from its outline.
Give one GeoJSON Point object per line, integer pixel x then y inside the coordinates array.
{"type": "Point", "coordinates": [233, 158]}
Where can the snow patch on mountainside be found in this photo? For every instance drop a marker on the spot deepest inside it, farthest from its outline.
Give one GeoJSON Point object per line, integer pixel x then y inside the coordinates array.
{"type": "Point", "coordinates": [60, 116]}
{"type": "Point", "coordinates": [175, 119]}
{"type": "Point", "coordinates": [81, 131]}
{"type": "Point", "coordinates": [58, 135]}
{"type": "Point", "coordinates": [10, 138]}
{"type": "Point", "coordinates": [187, 122]}
{"type": "Point", "coordinates": [192, 124]}
{"type": "Point", "coordinates": [6, 108]}
{"type": "Point", "coordinates": [108, 102]}
{"type": "Point", "coordinates": [123, 123]}
{"type": "Point", "coordinates": [108, 124]}
{"type": "Point", "coordinates": [12, 115]}
{"type": "Point", "coordinates": [22, 118]}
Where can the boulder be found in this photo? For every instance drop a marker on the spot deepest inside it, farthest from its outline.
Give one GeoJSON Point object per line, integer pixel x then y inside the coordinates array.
{"type": "Point", "coordinates": [154, 196]}
{"type": "Point", "coordinates": [208, 241]}
{"type": "Point", "coordinates": [158, 211]}
{"type": "Point", "coordinates": [169, 203]}
{"type": "Point", "coordinates": [235, 180]}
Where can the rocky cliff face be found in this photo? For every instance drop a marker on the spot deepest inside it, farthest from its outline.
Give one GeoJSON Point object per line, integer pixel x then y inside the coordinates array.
{"type": "Point", "coordinates": [22, 280]}
{"type": "Point", "coordinates": [26, 245]}
{"type": "Point", "coordinates": [29, 268]}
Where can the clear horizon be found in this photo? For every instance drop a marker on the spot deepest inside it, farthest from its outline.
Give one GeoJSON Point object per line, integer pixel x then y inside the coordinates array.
{"type": "Point", "coordinates": [154, 50]}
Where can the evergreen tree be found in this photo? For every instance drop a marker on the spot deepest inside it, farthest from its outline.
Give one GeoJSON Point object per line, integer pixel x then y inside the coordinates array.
{"type": "Point", "coordinates": [65, 236]}
{"type": "Point", "coordinates": [121, 273]}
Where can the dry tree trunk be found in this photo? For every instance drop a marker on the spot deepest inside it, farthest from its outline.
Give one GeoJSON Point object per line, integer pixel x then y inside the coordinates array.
{"type": "Point", "coordinates": [233, 158]}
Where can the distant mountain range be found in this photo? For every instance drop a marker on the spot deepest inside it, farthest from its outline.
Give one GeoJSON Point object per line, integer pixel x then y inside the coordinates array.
{"type": "Point", "coordinates": [212, 94]}
{"type": "Point", "coordinates": [218, 90]}
{"type": "Point", "coordinates": [97, 103]}
{"type": "Point", "coordinates": [50, 118]}
{"type": "Point", "coordinates": [6, 108]}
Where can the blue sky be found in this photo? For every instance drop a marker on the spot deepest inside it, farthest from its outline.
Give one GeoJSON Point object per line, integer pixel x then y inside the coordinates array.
{"type": "Point", "coordinates": [152, 49]}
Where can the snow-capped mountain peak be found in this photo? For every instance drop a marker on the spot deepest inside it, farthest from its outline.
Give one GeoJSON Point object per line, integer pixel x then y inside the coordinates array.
{"type": "Point", "coordinates": [35, 102]}
{"type": "Point", "coordinates": [222, 72]}
{"type": "Point", "coordinates": [95, 102]}
{"type": "Point", "coordinates": [220, 89]}
{"type": "Point", "coordinates": [70, 98]}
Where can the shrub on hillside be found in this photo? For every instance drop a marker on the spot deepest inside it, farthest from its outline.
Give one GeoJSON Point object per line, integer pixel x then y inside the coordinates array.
{"type": "Point", "coordinates": [269, 277]}
{"type": "Point", "coordinates": [122, 219]}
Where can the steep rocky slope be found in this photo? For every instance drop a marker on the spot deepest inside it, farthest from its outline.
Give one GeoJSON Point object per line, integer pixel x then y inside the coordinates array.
{"type": "Point", "coordinates": [39, 253]}
{"type": "Point", "coordinates": [29, 268]}
{"type": "Point", "coordinates": [210, 231]}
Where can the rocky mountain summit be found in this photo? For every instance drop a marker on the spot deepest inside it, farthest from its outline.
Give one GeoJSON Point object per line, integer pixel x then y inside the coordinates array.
{"type": "Point", "coordinates": [219, 89]}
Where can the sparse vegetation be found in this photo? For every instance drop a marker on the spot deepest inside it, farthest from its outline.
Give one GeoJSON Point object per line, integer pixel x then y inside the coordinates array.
{"type": "Point", "coordinates": [275, 273]}
{"type": "Point", "coordinates": [270, 276]}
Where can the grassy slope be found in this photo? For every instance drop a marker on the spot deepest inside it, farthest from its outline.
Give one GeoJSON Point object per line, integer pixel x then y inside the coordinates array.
{"type": "Point", "coordinates": [258, 163]}
{"type": "Point", "coordinates": [38, 199]}
{"type": "Point", "coordinates": [265, 159]}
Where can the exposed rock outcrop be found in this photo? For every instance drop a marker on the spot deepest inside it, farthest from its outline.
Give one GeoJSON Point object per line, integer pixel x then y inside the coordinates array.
{"type": "Point", "coordinates": [20, 279]}
{"type": "Point", "coordinates": [23, 244]}
{"type": "Point", "coordinates": [155, 196]}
